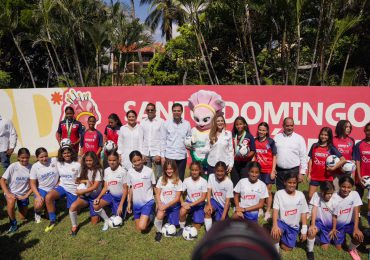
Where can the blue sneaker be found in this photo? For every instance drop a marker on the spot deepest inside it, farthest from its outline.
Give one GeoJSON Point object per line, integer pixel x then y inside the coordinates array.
{"type": "Point", "coordinates": [12, 229]}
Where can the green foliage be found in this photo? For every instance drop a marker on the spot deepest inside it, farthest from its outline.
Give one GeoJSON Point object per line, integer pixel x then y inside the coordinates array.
{"type": "Point", "coordinates": [4, 79]}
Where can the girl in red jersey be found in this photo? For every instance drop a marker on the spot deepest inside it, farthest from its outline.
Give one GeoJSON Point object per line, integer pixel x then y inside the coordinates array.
{"type": "Point", "coordinates": [111, 133]}
{"type": "Point", "coordinates": [266, 157]}
{"type": "Point", "coordinates": [318, 172]}
{"type": "Point", "coordinates": [92, 139]}
{"type": "Point", "coordinates": [70, 128]}
{"type": "Point", "coordinates": [362, 157]}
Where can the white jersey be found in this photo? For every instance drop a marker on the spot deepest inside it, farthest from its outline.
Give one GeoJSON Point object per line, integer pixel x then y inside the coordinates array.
{"type": "Point", "coordinates": [324, 209]}
{"type": "Point", "coordinates": [194, 189]}
{"type": "Point", "coordinates": [98, 177]}
{"type": "Point", "coordinates": [168, 191]}
{"type": "Point", "coordinates": [115, 180]}
{"type": "Point", "coordinates": [251, 193]}
{"type": "Point", "coordinates": [220, 190]}
{"type": "Point", "coordinates": [290, 207]}
{"type": "Point", "coordinates": [142, 185]}
{"type": "Point", "coordinates": [18, 177]}
{"type": "Point", "coordinates": [47, 175]}
{"type": "Point", "coordinates": [68, 173]}
{"type": "Point", "coordinates": [343, 207]}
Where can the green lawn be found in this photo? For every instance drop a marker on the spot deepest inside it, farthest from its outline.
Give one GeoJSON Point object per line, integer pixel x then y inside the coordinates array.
{"type": "Point", "coordinates": [30, 241]}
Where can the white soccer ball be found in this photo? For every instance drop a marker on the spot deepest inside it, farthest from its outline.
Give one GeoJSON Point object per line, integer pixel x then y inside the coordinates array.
{"type": "Point", "coordinates": [66, 142]}
{"type": "Point", "coordinates": [366, 181]}
{"type": "Point", "coordinates": [332, 160]}
{"type": "Point", "coordinates": [83, 186]}
{"type": "Point", "coordinates": [243, 149]}
{"type": "Point", "coordinates": [169, 230]}
{"type": "Point", "coordinates": [348, 167]}
{"type": "Point", "coordinates": [109, 146]}
{"type": "Point", "coordinates": [189, 233]}
{"type": "Point", "coordinates": [188, 142]}
{"type": "Point", "coordinates": [115, 221]}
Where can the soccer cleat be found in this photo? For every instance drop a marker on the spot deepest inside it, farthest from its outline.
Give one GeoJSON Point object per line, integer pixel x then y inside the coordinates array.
{"type": "Point", "coordinates": [105, 226]}
{"type": "Point", "coordinates": [354, 254]}
{"type": "Point", "coordinates": [310, 256]}
{"type": "Point", "coordinates": [12, 229]}
{"type": "Point", "coordinates": [158, 236]}
{"type": "Point", "coordinates": [267, 216]}
{"type": "Point", "coordinates": [74, 231]}
{"type": "Point", "coordinates": [179, 233]}
{"type": "Point", "coordinates": [50, 227]}
{"type": "Point", "coordinates": [37, 218]}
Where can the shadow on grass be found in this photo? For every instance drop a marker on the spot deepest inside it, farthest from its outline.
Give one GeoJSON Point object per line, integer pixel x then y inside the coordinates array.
{"type": "Point", "coordinates": [12, 246]}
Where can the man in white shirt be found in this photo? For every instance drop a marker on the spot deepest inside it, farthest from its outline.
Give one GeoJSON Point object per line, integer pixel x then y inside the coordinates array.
{"type": "Point", "coordinates": [291, 153]}
{"type": "Point", "coordinates": [152, 139]}
{"type": "Point", "coordinates": [8, 141]}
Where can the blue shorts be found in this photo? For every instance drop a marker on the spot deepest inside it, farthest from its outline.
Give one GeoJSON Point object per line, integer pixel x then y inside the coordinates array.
{"type": "Point", "coordinates": [198, 213]}
{"type": "Point", "coordinates": [63, 193]}
{"type": "Point", "coordinates": [146, 209]}
{"type": "Point", "coordinates": [342, 231]}
{"type": "Point", "coordinates": [288, 234]}
{"type": "Point", "coordinates": [42, 192]}
{"type": "Point", "coordinates": [217, 209]}
{"type": "Point", "coordinates": [91, 205]}
{"type": "Point", "coordinates": [323, 232]}
{"type": "Point", "coordinates": [22, 203]}
{"type": "Point", "coordinates": [113, 203]}
{"type": "Point", "coordinates": [266, 178]}
{"type": "Point", "coordinates": [251, 215]}
{"type": "Point", "coordinates": [315, 183]}
{"type": "Point", "coordinates": [173, 214]}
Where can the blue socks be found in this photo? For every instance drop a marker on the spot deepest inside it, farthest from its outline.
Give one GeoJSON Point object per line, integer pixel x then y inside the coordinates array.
{"type": "Point", "coordinates": [52, 217]}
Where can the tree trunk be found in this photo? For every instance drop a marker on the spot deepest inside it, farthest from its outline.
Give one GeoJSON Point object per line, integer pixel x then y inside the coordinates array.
{"type": "Point", "coordinates": [298, 54]}
{"type": "Point", "coordinates": [52, 61]}
{"type": "Point", "coordinates": [97, 67]}
{"type": "Point", "coordinates": [209, 58]}
{"type": "Point", "coordinates": [204, 58]}
{"type": "Point", "coordinates": [75, 55]}
{"type": "Point", "coordinates": [132, 9]}
{"type": "Point", "coordinates": [345, 65]}
{"type": "Point", "coordinates": [241, 50]}
{"type": "Point", "coordinates": [252, 48]}
{"type": "Point", "coordinates": [141, 67]}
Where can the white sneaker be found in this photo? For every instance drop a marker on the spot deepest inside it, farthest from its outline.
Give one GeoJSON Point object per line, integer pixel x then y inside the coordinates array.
{"type": "Point", "coordinates": [37, 218]}
{"type": "Point", "coordinates": [105, 226]}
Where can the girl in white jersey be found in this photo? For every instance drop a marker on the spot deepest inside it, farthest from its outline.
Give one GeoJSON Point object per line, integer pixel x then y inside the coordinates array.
{"type": "Point", "coordinates": [346, 204]}
{"type": "Point", "coordinates": [290, 207]}
{"type": "Point", "coordinates": [250, 194]}
{"type": "Point", "coordinates": [114, 192]}
{"type": "Point", "coordinates": [69, 170]}
{"type": "Point", "coordinates": [15, 184]}
{"type": "Point", "coordinates": [91, 177]}
{"type": "Point", "coordinates": [141, 180]}
{"type": "Point", "coordinates": [169, 188]}
{"type": "Point", "coordinates": [195, 188]}
{"type": "Point", "coordinates": [43, 178]}
{"type": "Point", "coordinates": [220, 191]}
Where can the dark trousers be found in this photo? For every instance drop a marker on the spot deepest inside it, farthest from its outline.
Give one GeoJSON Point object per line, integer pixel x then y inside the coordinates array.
{"type": "Point", "coordinates": [281, 175]}
{"type": "Point", "coordinates": [360, 190]}
{"type": "Point", "coordinates": [239, 171]}
{"type": "Point", "coordinates": [5, 160]}
{"type": "Point", "coordinates": [181, 166]}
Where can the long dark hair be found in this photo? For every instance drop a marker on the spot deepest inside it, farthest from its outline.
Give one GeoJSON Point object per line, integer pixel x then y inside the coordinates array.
{"type": "Point", "coordinates": [95, 168]}
{"type": "Point", "coordinates": [330, 136]}
{"type": "Point", "coordinates": [73, 154]}
{"type": "Point", "coordinates": [115, 118]}
{"type": "Point", "coordinates": [267, 127]}
{"type": "Point", "coordinates": [246, 128]}
{"type": "Point", "coordinates": [340, 128]}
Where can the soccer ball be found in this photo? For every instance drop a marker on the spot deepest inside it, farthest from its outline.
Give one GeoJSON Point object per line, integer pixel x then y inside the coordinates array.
{"type": "Point", "coordinates": [115, 221]}
{"type": "Point", "coordinates": [243, 149]}
{"type": "Point", "coordinates": [189, 233]}
{"type": "Point", "coordinates": [188, 142]}
{"type": "Point", "coordinates": [109, 146]}
{"type": "Point", "coordinates": [332, 160]}
{"type": "Point", "coordinates": [366, 181]}
{"type": "Point", "coordinates": [169, 230]}
{"type": "Point", "coordinates": [66, 142]}
{"type": "Point", "coordinates": [348, 167]}
{"type": "Point", "coordinates": [83, 186]}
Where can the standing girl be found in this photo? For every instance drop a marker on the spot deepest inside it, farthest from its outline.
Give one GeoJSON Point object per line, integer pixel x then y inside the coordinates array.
{"type": "Point", "coordinates": [70, 128]}
{"type": "Point", "coordinates": [220, 191]}
{"type": "Point", "coordinates": [243, 142]}
{"type": "Point", "coordinates": [141, 180]}
{"type": "Point", "coordinates": [15, 184]}
{"type": "Point", "coordinates": [290, 207]}
{"type": "Point", "coordinates": [114, 192]}
{"type": "Point", "coordinates": [250, 194]}
{"type": "Point", "coordinates": [318, 172]}
{"type": "Point", "coordinates": [111, 133]}
{"type": "Point", "coordinates": [69, 170]}
{"type": "Point", "coordinates": [92, 139]}
{"type": "Point", "coordinates": [169, 188]}
{"type": "Point", "coordinates": [91, 175]}
{"type": "Point", "coordinates": [195, 188]}
{"type": "Point", "coordinates": [130, 138]}
{"type": "Point", "coordinates": [266, 157]}
{"type": "Point", "coordinates": [221, 145]}
{"type": "Point", "coordinates": [43, 178]}
{"type": "Point", "coordinates": [362, 157]}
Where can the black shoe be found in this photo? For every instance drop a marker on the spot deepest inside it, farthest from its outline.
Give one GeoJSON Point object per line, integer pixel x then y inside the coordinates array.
{"type": "Point", "coordinates": [73, 232]}
{"type": "Point", "coordinates": [310, 256]}
{"type": "Point", "coordinates": [158, 237]}
{"type": "Point", "coordinates": [179, 233]}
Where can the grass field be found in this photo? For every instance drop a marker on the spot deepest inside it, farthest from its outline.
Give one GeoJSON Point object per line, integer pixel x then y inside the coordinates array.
{"type": "Point", "coordinates": [31, 242]}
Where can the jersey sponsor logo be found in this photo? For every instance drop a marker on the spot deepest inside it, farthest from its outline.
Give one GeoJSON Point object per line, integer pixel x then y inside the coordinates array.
{"type": "Point", "coordinates": [138, 185]}
{"type": "Point", "coordinates": [217, 193]}
{"type": "Point", "coordinates": [21, 178]}
{"type": "Point", "coordinates": [249, 197]}
{"type": "Point", "coordinates": [112, 183]}
{"type": "Point", "coordinates": [345, 211]}
{"type": "Point", "coordinates": [318, 162]}
{"type": "Point", "coordinates": [194, 195]}
{"type": "Point", "coordinates": [365, 160]}
{"type": "Point", "coordinates": [325, 209]}
{"type": "Point", "coordinates": [324, 155]}
{"type": "Point", "coordinates": [261, 151]}
{"type": "Point", "coordinates": [291, 212]}
{"type": "Point", "coordinates": [365, 152]}
{"type": "Point", "coordinates": [167, 193]}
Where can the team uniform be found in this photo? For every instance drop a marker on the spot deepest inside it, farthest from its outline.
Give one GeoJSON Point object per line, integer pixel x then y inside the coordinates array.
{"type": "Point", "coordinates": [47, 176]}
{"type": "Point", "coordinates": [141, 184]}
{"type": "Point", "coordinates": [250, 195]}
{"type": "Point", "coordinates": [265, 151]}
{"type": "Point", "coordinates": [318, 155]}
{"type": "Point", "coordinates": [324, 217]}
{"type": "Point", "coordinates": [345, 146]}
{"type": "Point", "coordinates": [168, 193]}
{"type": "Point", "coordinates": [290, 209]}
{"type": "Point", "coordinates": [362, 155]}
{"type": "Point", "coordinates": [95, 193]}
{"type": "Point", "coordinates": [194, 190]}
{"type": "Point", "coordinates": [115, 181]}
{"type": "Point", "coordinates": [343, 209]}
{"type": "Point", "coordinates": [68, 173]}
{"type": "Point", "coordinates": [71, 129]}
{"type": "Point", "coordinates": [111, 133]}
{"type": "Point", "coordinates": [220, 191]}
{"type": "Point", "coordinates": [91, 141]}
{"type": "Point", "coordinates": [18, 177]}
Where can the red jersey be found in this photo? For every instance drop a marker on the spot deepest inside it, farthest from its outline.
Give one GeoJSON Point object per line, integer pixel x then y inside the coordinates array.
{"type": "Point", "coordinates": [91, 141]}
{"type": "Point", "coordinates": [318, 155]}
{"type": "Point", "coordinates": [345, 146]}
{"type": "Point", "coordinates": [71, 129]}
{"type": "Point", "coordinates": [264, 154]}
{"type": "Point", "coordinates": [112, 133]}
{"type": "Point", "coordinates": [362, 154]}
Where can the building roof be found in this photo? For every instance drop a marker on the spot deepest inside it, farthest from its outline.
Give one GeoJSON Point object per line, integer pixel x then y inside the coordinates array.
{"type": "Point", "coordinates": [155, 47]}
